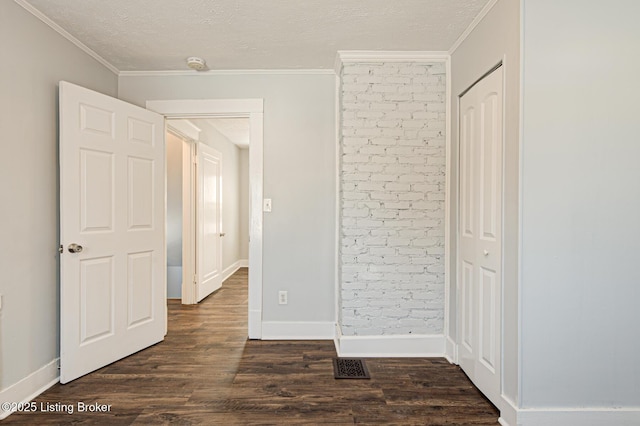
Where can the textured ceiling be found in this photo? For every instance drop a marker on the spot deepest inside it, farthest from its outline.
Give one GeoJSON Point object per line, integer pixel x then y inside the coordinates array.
{"type": "Point", "coordinates": [155, 35]}
{"type": "Point", "coordinates": [235, 129]}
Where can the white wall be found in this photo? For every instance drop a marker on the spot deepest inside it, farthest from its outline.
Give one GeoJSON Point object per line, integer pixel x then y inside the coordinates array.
{"type": "Point", "coordinates": [495, 39]}
{"type": "Point", "coordinates": [299, 175]}
{"type": "Point", "coordinates": [34, 59]}
{"type": "Point", "coordinates": [581, 198]}
{"type": "Point", "coordinates": [174, 215]}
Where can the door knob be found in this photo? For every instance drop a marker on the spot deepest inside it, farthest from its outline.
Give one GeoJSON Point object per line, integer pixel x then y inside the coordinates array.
{"type": "Point", "coordinates": [222, 234]}
{"type": "Point", "coordinates": [486, 253]}
{"type": "Point", "coordinates": [75, 248]}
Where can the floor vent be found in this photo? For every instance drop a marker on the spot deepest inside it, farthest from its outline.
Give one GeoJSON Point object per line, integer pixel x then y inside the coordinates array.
{"type": "Point", "coordinates": [350, 368]}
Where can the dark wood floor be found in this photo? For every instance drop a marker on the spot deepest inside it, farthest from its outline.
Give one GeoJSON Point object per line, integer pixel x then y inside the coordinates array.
{"type": "Point", "coordinates": [206, 372]}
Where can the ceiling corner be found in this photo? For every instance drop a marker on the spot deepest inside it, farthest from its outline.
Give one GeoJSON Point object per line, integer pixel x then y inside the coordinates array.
{"type": "Point", "coordinates": [485, 10]}
{"type": "Point", "coordinates": [57, 28]}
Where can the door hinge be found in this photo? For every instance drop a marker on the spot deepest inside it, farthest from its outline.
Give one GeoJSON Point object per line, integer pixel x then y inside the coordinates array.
{"type": "Point", "coordinates": [195, 160]}
{"type": "Point", "coordinates": [195, 280]}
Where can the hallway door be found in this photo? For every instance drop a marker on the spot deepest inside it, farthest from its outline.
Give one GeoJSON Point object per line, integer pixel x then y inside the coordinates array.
{"type": "Point", "coordinates": [480, 234]}
{"type": "Point", "coordinates": [208, 218]}
{"type": "Point", "coordinates": [112, 230]}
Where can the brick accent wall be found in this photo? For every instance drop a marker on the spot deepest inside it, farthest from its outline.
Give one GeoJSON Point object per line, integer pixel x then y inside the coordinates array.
{"type": "Point", "coordinates": [392, 178]}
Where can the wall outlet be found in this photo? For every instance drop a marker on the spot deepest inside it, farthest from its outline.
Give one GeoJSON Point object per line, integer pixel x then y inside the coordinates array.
{"type": "Point", "coordinates": [267, 205]}
{"type": "Point", "coordinates": [282, 297]}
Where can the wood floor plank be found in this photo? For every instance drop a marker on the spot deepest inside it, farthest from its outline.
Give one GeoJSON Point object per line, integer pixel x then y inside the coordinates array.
{"type": "Point", "coordinates": [207, 373]}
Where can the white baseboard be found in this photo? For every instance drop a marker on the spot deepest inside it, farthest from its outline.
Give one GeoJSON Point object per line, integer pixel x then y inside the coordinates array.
{"type": "Point", "coordinates": [31, 386]}
{"type": "Point", "coordinates": [407, 345]}
{"type": "Point", "coordinates": [230, 270]}
{"type": "Point", "coordinates": [311, 330]}
{"type": "Point", "coordinates": [451, 350]}
{"type": "Point", "coordinates": [512, 416]}
{"type": "Point", "coordinates": [578, 417]}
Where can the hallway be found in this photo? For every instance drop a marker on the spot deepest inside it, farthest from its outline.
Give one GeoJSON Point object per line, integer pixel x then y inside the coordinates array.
{"type": "Point", "coordinates": [206, 372]}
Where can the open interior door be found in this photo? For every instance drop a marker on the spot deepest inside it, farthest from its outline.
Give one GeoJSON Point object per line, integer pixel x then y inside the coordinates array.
{"type": "Point", "coordinates": [208, 218]}
{"type": "Point", "coordinates": [112, 230]}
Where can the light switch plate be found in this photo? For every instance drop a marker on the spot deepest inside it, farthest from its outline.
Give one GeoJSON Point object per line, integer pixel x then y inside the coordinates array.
{"type": "Point", "coordinates": [267, 205]}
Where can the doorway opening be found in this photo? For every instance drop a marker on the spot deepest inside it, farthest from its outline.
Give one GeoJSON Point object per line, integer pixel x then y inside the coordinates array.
{"type": "Point", "coordinates": [251, 110]}
{"type": "Point", "coordinates": [207, 204]}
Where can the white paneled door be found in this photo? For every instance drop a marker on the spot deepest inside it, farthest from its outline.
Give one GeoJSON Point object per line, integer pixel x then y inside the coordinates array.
{"type": "Point", "coordinates": [208, 219]}
{"type": "Point", "coordinates": [112, 230]}
{"type": "Point", "coordinates": [480, 234]}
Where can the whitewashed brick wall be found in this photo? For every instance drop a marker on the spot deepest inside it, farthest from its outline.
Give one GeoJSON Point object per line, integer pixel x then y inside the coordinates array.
{"type": "Point", "coordinates": [392, 181]}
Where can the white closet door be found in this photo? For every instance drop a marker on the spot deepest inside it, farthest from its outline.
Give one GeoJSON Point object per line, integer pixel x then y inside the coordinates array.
{"type": "Point", "coordinates": [480, 234]}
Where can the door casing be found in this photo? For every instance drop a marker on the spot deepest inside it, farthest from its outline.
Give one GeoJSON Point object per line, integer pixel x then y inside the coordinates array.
{"type": "Point", "coordinates": [236, 108]}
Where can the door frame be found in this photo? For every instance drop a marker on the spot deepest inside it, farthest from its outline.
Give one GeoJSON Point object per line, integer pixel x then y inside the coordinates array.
{"type": "Point", "coordinates": [189, 134]}
{"type": "Point", "coordinates": [253, 109]}
{"type": "Point", "coordinates": [189, 138]}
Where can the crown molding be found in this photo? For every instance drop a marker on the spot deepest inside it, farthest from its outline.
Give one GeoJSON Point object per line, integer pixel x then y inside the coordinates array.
{"type": "Point", "coordinates": [359, 56]}
{"type": "Point", "coordinates": [291, 71]}
{"type": "Point", "coordinates": [57, 28]}
{"type": "Point", "coordinates": [472, 25]}
{"type": "Point", "coordinates": [342, 56]}
{"type": "Point", "coordinates": [351, 56]}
